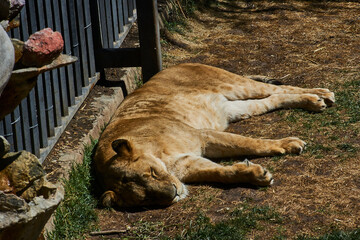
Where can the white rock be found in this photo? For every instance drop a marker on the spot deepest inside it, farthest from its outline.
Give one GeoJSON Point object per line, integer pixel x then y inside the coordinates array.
{"type": "Point", "coordinates": [7, 58]}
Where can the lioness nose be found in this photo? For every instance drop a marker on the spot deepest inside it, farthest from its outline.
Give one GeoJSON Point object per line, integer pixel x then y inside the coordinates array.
{"type": "Point", "coordinates": [176, 192]}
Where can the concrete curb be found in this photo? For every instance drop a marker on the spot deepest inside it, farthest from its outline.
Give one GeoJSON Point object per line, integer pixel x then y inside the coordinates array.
{"type": "Point", "coordinates": [106, 106]}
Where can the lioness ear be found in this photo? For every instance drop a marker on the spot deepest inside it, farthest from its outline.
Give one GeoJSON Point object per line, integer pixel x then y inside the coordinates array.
{"type": "Point", "coordinates": [122, 147]}
{"type": "Point", "coordinates": [109, 199]}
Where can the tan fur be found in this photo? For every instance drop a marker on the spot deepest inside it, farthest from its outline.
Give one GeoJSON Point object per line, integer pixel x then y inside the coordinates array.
{"type": "Point", "coordinates": [164, 134]}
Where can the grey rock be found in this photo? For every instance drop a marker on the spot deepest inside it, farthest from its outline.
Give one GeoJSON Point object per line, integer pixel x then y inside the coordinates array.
{"type": "Point", "coordinates": [5, 24]}
{"type": "Point", "coordinates": [29, 223]}
{"type": "Point", "coordinates": [11, 202]}
{"type": "Point", "coordinates": [24, 172]}
{"type": "Point", "coordinates": [7, 57]}
{"type": "Point", "coordinates": [4, 146]}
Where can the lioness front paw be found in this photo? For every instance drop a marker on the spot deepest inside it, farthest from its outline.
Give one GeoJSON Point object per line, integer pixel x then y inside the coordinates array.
{"type": "Point", "coordinates": [291, 145]}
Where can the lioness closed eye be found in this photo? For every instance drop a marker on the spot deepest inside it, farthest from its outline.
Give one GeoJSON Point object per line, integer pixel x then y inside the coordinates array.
{"type": "Point", "coordinates": [164, 134]}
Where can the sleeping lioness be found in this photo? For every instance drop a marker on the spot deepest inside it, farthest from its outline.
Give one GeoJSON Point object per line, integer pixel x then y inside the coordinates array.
{"type": "Point", "coordinates": [165, 133]}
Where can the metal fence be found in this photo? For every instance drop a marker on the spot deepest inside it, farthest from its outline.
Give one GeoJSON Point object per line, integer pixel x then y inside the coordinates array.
{"type": "Point", "coordinates": [37, 123]}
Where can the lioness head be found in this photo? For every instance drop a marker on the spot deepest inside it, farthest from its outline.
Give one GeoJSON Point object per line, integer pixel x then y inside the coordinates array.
{"type": "Point", "coordinates": [133, 179]}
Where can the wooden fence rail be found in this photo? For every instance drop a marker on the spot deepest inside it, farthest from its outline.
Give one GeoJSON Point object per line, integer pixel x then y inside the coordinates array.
{"type": "Point", "coordinates": [37, 123]}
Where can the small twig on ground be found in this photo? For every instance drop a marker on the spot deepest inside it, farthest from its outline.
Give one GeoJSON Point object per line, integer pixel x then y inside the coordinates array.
{"type": "Point", "coordinates": [178, 3]}
{"type": "Point", "coordinates": [287, 75]}
{"type": "Point", "coordinates": [312, 61]}
{"type": "Point", "coordinates": [107, 232]}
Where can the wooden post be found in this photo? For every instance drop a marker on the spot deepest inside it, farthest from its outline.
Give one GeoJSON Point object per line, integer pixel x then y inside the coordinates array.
{"type": "Point", "coordinates": [149, 36]}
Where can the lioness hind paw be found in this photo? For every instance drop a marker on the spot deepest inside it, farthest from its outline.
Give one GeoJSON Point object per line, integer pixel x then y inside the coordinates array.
{"type": "Point", "coordinates": [266, 180]}
{"type": "Point", "coordinates": [314, 103]}
{"type": "Point", "coordinates": [262, 176]}
{"type": "Point", "coordinates": [329, 99]}
{"type": "Point", "coordinates": [327, 95]}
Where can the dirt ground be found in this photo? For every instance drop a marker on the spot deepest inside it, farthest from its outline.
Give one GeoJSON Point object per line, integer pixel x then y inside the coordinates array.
{"type": "Point", "coordinates": [303, 43]}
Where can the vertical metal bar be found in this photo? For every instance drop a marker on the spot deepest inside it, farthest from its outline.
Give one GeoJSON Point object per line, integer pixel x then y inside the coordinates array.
{"type": "Point", "coordinates": [40, 14]}
{"type": "Point", "coordinates": [120, 15]}
{"type": "Point", "coordinates": [130, 8]}
{"type": "Point", "coordinates": [44, 90]}
{"type": "Point", "coordinates": [109, 24]}
{"type": "Point", "coordinates": [62, 84]}
{"type": "Point", "coordinates": [26, 134]}
{"type": "Point", "coordinates": [82, 43]}
{"type": "Point", "coordinates": [39, 88]}
{"type": "Point", "coordinates": [54, 78]}
{"type": "Point", "coordinates": [9, 135]}
{"type": "Point", "coordinates": [149, 36]}
{"type": "Point", "coordinates": [34, 126]}
{"type": "Point", "coordinates": [103, 26]}
{"type": "Point", "coordinates": [89, 37]}
{"type": "Point", "coordinates": [96, 31]}
{"type": "Point", "coordinates": [36, 23]}
{"type": "Point", "coordinates": [75, 46]}
{"type": "Point", "coordinates": [2, 130]}
{"type": "Point", "coordinates": [126, 11]}
{"type": "Point", "coordinates": [115, 20]}
{"type": "Point", "coordinates": [30, 8]}
{"type": "Point", "coordinates": [47, 77]}
{"type": "Point", "coordinates": [99, 32]}
{"type": "Point", "coordinates": [16, 128]}
{"type": "Point", "coordinates": [28, 108]}
{"type": "Point", "coordinates": [68, 50]}
{"type": "Point", "coordinates": [15, 33]}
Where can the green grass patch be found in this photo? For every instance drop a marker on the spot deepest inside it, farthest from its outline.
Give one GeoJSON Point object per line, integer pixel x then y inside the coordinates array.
{"type": "Point", "coordinates": [184, 7]}
{"type": "Point", "coordinates": [338, 125]}
{"type": "Point", "coordinates": [236, 226]}
{"type": "Point", "coordinates": [138, 81]}
{"type": "Point", "coordinates": [335, 235]}
{"type": "Point", "coordinates": [347, 147]}
{"type": "Point", "coordinates": [349, 99]}
{"type": "Point", "coordinates": [76, 213]}
{"type": "Point", "coordinates": [345, 112]}
{"type": "Point", "coordinates": [181, 9]}
{"type": "Point", "coordinates": [318, 148]}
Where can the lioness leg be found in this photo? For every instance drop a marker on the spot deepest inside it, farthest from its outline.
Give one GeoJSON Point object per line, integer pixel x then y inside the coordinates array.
{"type": "Point", "coordinates": [240, 109]}
{"type": "Point", "coordinates": [194, 169]}
{"type": "Point", "coordinates": [246, 88]}
{"type": "Point", "coordinates": [222, 144]}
